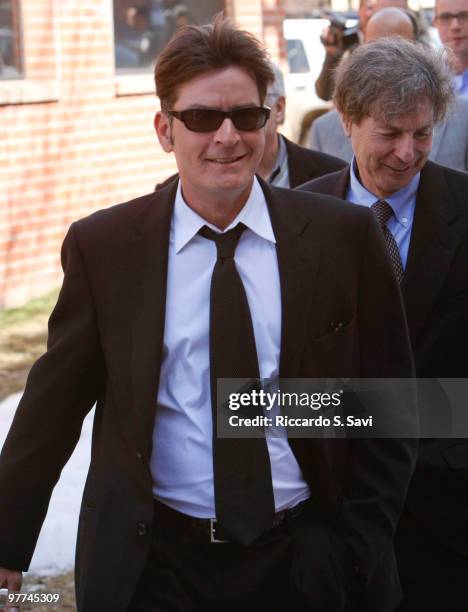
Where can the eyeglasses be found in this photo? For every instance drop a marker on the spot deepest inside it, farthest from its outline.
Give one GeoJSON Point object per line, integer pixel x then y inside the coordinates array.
{"type": "Point", "coordinates": [210, 119]}
{"type": "Point", "coordinates": [446, 18]}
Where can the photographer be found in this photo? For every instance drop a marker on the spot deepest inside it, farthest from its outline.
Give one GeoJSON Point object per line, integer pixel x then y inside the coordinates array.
{"type": "Point", "coordinates": [336, 44]}
{"type": "Point", "coordinates": [338, 40]}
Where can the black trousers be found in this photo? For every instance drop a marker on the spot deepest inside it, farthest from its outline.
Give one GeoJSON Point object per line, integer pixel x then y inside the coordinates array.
{"type": "Point", "coordinates": [433, 577]}
{"type": "Point", "coordinates": [187, 573]}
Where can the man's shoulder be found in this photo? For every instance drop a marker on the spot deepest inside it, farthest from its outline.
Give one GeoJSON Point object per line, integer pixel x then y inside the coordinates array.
{"type": "Point", "coordinates": [460, 109]}
{"type": "Point", "coordinates": [327, 120]}
{"type": "Point", "coordinates": [455, 180]}
{"type": "Point", "coordinates": [315, 158]}
{"type": "Point", "coordinates": [118, 220]}
{"type": "Point", "coordinates": [317, 206]}
{"type": "Point", "coordinates": [322, 184]}
{"type": "Point", "coordinates": [167, 181]}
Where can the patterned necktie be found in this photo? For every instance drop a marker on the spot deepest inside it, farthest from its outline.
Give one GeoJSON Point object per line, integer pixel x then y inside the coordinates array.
{"type": "Point", "coordinates": [383, 212]}
{"type": "Point", "coordinates": [242, 473]}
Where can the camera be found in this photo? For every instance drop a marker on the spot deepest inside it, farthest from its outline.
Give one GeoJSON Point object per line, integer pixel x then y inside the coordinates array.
{"type": "Point", "coordinates": [344, 36]}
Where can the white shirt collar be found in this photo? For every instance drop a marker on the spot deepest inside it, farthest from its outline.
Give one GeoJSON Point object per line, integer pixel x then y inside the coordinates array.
{"type": "Point", "coordinates": [254, 215]}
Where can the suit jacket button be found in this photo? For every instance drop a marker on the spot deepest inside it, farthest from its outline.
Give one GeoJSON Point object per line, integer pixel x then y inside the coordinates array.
{"type": "Point", "coordinates": [142, 529]}
{"type": "Point", "coordinates": [140, 456]}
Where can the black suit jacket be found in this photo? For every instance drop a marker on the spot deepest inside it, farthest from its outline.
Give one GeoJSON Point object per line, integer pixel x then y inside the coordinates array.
{"type": "Point", "coordinates": [306, 164]}
{"type": "Point", "coordinates": [105, 344]}
{"type": "Point", "coordinates": [435, 292]}
{"type": "Point", "coordinates": [303, 165]}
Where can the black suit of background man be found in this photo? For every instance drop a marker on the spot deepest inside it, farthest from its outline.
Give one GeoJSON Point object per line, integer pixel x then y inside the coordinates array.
{"type": "Point", "coordinates": [432, 540]}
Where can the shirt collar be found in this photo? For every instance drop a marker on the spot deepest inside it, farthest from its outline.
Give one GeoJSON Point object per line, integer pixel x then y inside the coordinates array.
{"type": "Point", "coordinates": [402, 201]}
{"type": "Point", "coordinates": [254, 215]}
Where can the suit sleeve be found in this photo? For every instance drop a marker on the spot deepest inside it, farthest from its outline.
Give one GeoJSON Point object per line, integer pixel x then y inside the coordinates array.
{"type": "Point", "coordinates": [62, 387]}
{"type": "Point", "coordinates": [379, 470]}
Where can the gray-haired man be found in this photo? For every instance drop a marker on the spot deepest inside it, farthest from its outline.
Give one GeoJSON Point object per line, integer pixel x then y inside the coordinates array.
{"type": "Point", "coordinates": [285, 164]}
{"type": "Point", "coordinates": [390, 94]}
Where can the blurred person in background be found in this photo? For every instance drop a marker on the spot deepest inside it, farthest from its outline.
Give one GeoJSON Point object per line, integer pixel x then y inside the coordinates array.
{"type": "Point", "coordinates": [390, 94]}
{"type": "Point", "coordinates": [335, 48]}
{"type": "Point", "coordinates": [285, 164]}
{"type": "Point", "coordinates": [450, 142]}
{"type": "Point", "coordinates": [334, 41]}
{"type": "Point", "coordinates": [451, 21]}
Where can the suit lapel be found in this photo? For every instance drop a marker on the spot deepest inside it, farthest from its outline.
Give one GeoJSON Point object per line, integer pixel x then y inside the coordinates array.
{"type": "Point", "coordinates": [334, 184]}
{"type": "Point", "coordinates": [293, 167]}
{"type": "Point", "coordinates": [146, 267]}
{"type": "Point", "coordinates": [298, 171]}
{"type": "Point", "coordinates": [433, 243]}
{"type": "Point", "coordinates": [298, 260]}
{"type": "Point", "coordinates": [339, 187]}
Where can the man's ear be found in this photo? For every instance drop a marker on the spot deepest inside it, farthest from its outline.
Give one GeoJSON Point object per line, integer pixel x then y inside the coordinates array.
{"type": "Point", "coordinates": [346, 125]}
{"type": "Point", "coordinates": [163, 127]}
{"type": "Point", "coordinates": [280, 110]}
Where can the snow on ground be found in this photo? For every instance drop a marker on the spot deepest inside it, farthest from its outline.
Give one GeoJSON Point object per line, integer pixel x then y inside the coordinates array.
{"type": "Point", "coordinates": [55, 550]}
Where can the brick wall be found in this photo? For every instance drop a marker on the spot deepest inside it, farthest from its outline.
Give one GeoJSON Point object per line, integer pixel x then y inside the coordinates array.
{"type": "Point", "coordinates": [74, 137]}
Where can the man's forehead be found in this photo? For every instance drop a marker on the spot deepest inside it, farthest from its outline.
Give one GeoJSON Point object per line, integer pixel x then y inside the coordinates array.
{"type": "Point", "coordinates": [206, 88]}
{"type": "Point", "coordinates": [422, 115]}
{"type": "Point", "coordinates": [451, 6]}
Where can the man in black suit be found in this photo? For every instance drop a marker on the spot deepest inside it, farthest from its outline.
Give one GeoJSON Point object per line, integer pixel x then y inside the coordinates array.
{"type": "Point", "coordinates": [174, 517]}
{"type": "Point", "coordinates": [390, 125]}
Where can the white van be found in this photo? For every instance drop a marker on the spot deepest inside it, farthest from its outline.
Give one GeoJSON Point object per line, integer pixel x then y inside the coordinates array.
{"type": "Point", "coordinates": [305, 58]}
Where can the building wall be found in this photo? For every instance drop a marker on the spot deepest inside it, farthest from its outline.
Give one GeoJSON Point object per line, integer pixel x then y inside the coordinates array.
{"type": "Point", "coordinates": [74, 137]}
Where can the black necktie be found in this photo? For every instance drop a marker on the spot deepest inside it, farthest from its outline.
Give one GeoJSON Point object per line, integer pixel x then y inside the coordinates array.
{"type": "Point", "coordinates": [242, 472]}
{"type": "Point", "coordinates": [383, 212]}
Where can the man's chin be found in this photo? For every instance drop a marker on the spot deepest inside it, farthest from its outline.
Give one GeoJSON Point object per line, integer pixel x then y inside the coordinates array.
{"type": "Point", "coordinates": [233, 182]}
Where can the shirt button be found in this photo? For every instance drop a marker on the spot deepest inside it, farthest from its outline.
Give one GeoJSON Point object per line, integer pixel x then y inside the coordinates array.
{"type": "Point", "coordinates": [142, 529]}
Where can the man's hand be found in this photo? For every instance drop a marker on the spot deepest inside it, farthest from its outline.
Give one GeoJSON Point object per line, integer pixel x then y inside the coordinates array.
{"type": "Point", "coordinates": [11, 580]}
{"type": "Point", "coordinates": [332, 39]}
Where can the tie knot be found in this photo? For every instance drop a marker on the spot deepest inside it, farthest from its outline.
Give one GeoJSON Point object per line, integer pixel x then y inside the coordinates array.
{"type": "Point", "coordinates": [226, 243]}
{"type": "Point", "coordinates": [382, 211]}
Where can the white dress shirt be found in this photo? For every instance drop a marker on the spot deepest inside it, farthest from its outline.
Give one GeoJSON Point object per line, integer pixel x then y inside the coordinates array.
{"type": "Point", "coordinates": [182, 458]}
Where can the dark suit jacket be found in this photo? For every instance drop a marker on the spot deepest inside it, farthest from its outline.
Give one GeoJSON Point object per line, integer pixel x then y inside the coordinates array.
{"type": "Point", "coordinates": [306, 164]}
{"type": "Point", "coordinates": [435, 292]}
{"type": "Point", "coordinates": [303, 165]}
{"type": "Point", "coordinates": [105, 344]}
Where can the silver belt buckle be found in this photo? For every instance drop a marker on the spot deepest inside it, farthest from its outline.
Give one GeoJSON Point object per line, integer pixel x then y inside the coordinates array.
{"type": "Point", "coordinates": [213, 538]}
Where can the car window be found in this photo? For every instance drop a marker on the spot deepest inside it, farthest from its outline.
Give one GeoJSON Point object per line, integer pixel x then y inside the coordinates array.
{"type": "Point", "coordinates": [297, 58]}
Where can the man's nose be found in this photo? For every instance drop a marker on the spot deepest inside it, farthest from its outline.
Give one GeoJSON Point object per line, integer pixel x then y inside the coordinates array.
{"type": "Point", "coordinates": [404, 148]}
{"type": "Point", "coordinates": [227, 133]}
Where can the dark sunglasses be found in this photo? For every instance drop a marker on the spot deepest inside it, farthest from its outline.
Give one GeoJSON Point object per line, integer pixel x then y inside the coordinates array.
{"type": "Point", "coordinates": [210, 120]}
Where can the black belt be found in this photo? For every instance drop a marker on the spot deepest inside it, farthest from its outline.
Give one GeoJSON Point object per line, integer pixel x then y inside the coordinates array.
{"type": "Point", "coordinates": [209, 529]}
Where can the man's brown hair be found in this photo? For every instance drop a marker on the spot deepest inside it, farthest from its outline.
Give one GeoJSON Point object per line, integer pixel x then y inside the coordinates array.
{"type": "Point", "coordinates": [390, 77]}
{"type": "Point", "coordinates": [194, 50]}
